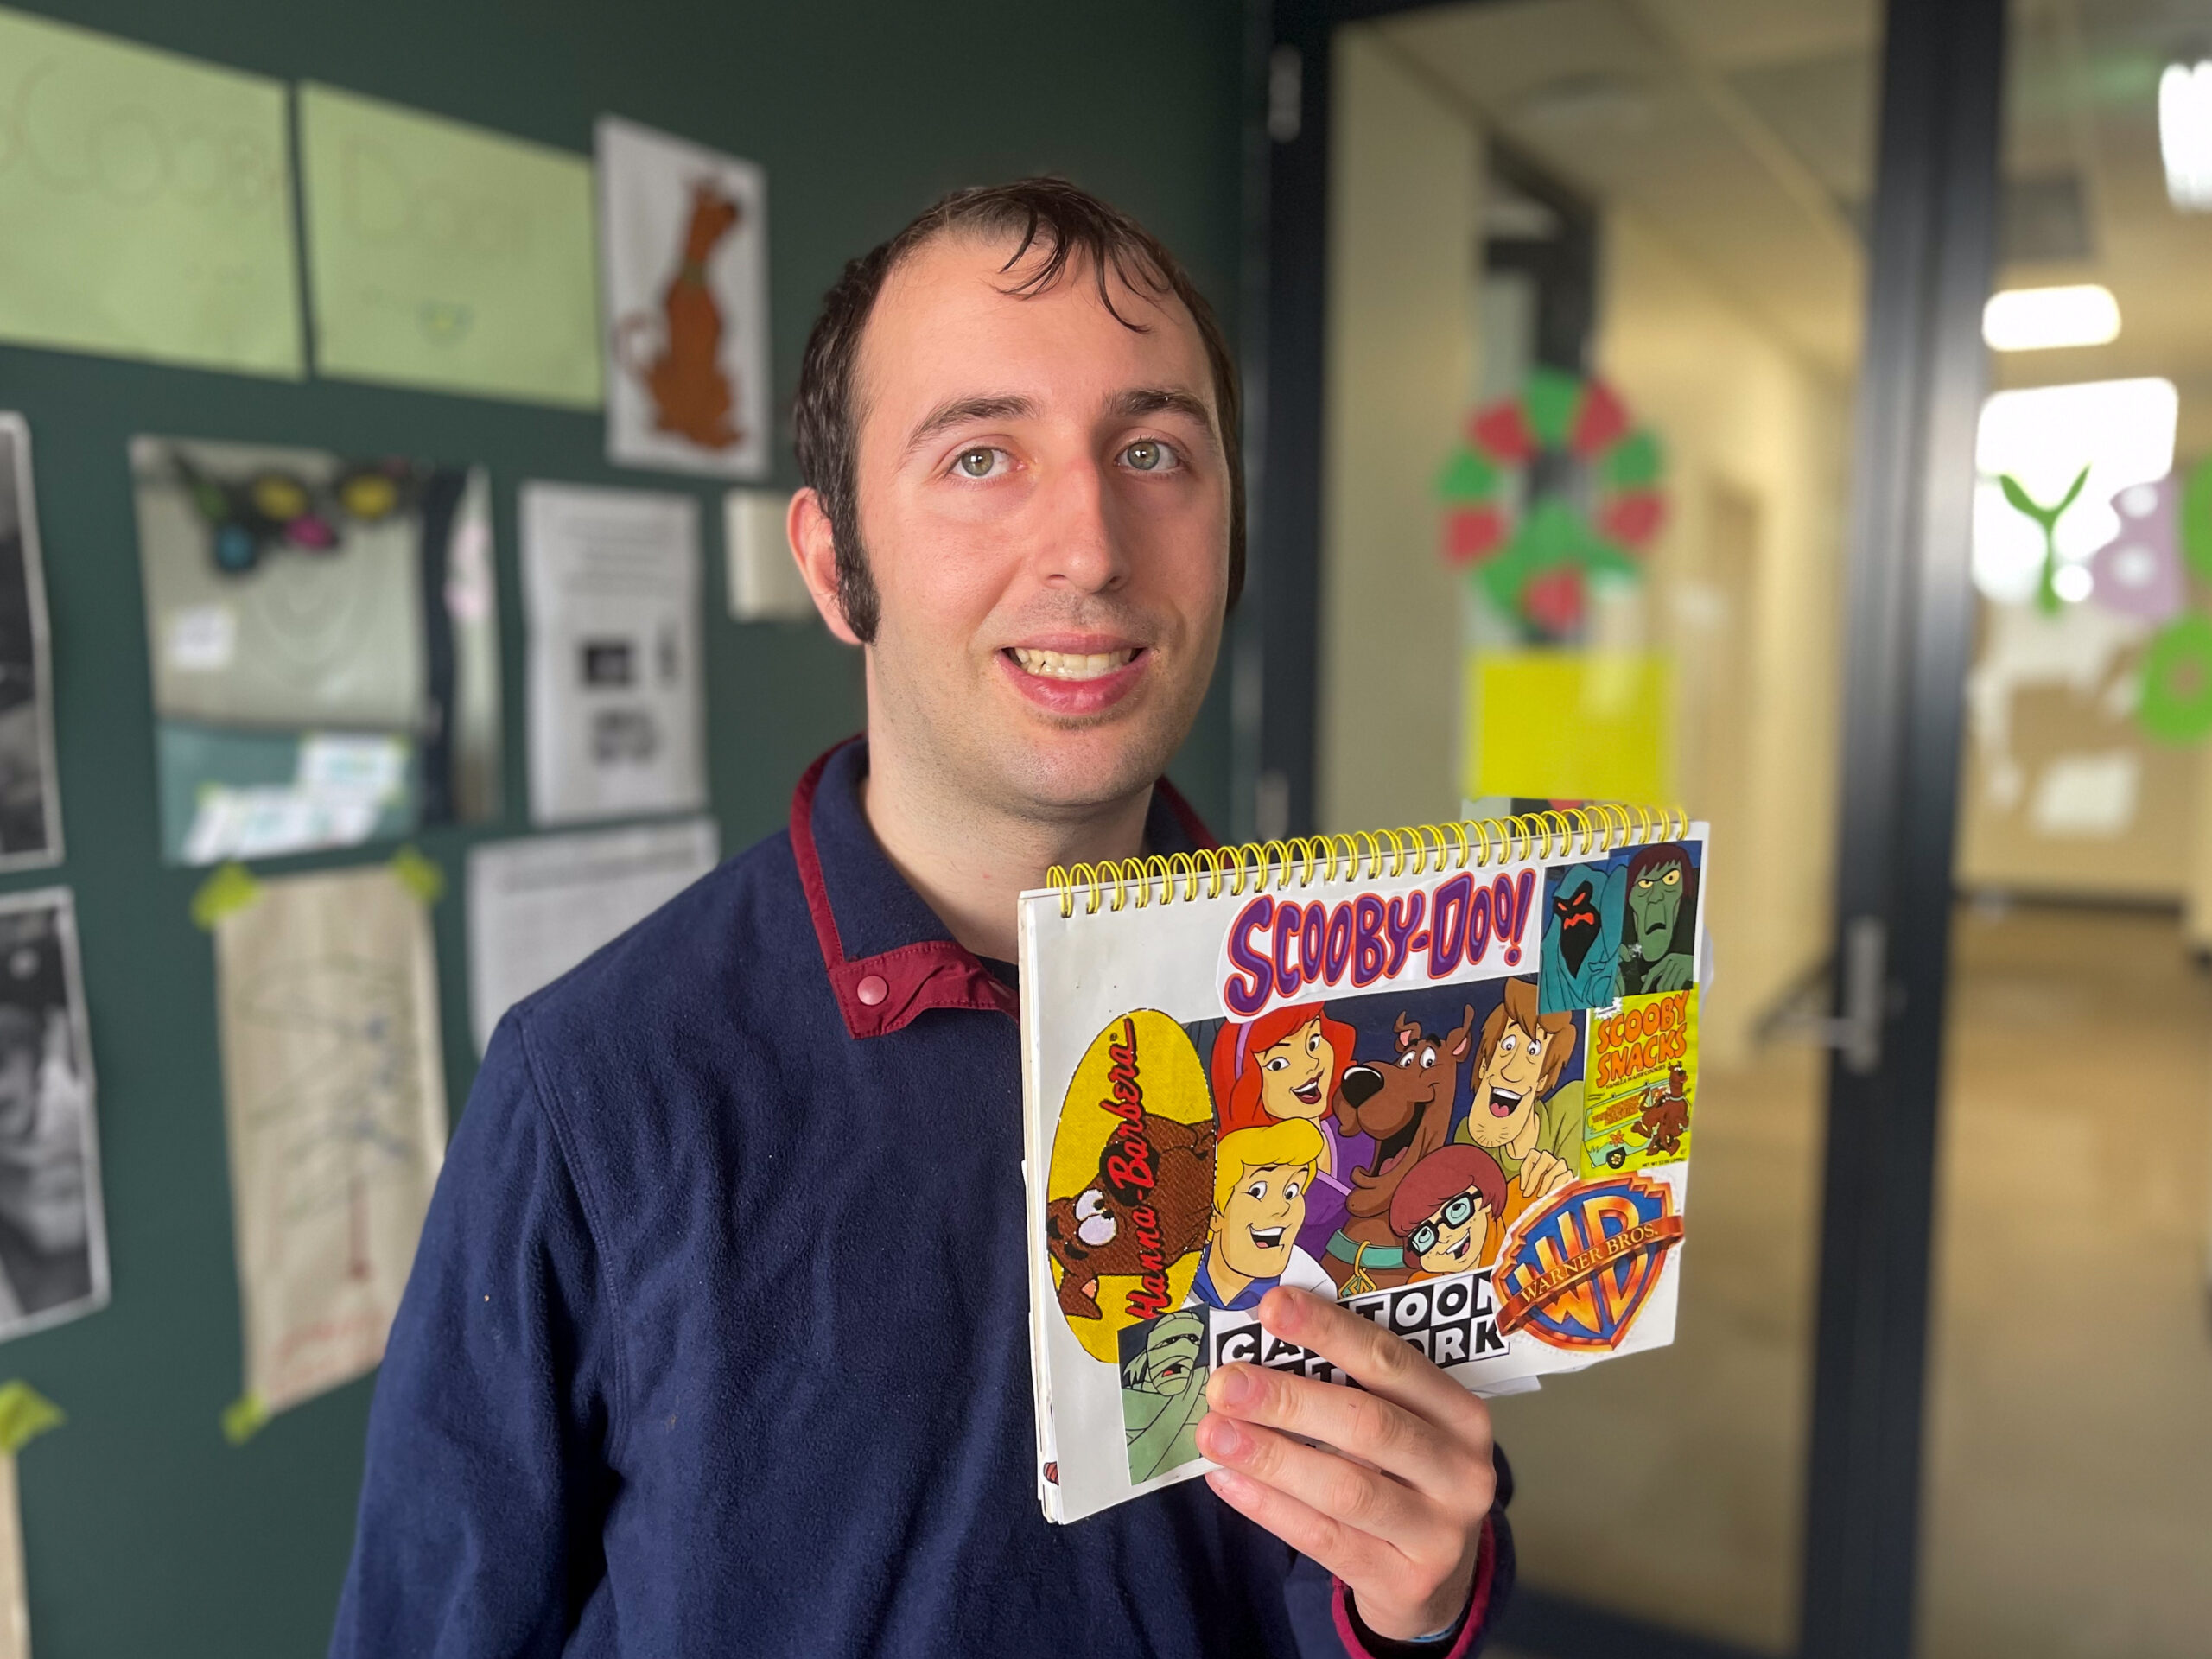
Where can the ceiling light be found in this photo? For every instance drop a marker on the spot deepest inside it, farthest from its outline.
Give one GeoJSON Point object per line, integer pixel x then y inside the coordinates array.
{"type": "Point", "coordinates": [2035, 319]}
{"type": "Point", "coordinates": [2185, 135]}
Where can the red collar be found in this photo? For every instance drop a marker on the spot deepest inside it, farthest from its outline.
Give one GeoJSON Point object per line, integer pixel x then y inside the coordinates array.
{"type": "Point", "coordinates": [881, 992]}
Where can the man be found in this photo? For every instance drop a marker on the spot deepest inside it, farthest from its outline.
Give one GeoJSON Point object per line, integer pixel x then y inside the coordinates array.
{"type": "Point", "coordinates": [1521, 1113]}
{"type": "Point", "coordinates": [717, 1339]}
{"type": "Point", "coordinates": [1260, 1180]}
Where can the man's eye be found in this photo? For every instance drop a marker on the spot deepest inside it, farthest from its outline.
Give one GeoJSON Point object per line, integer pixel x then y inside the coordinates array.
{"type": "Point", "coordinates": [1257, 1190]}
{"type": "Point", "coordinates": [1148, 455]}
{"type": "Point", "coordinates": [979, 462]}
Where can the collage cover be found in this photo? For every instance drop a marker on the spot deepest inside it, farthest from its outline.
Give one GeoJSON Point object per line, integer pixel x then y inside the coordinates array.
{"type": "Point", "coordinates": [1445, 1076]}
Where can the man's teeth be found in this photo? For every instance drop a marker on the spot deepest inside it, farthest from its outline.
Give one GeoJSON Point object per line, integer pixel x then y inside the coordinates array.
{"type": "Point", "coordinates": [1070, 666]}
{"type": "Point", "coordinates": [1267, 1239]}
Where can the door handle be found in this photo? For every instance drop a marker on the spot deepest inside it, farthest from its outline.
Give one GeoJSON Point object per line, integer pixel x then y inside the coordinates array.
{"type": "Point", "coordinates": [1856, 1033]}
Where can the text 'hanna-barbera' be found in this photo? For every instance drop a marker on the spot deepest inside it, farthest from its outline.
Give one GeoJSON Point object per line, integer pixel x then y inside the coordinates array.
{"type": "Point", "coordinates": [1278, 949]}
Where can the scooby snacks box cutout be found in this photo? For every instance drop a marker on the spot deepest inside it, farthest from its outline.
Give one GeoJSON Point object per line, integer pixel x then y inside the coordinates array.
{"type": "Point", "coordinates": [1444, 1076]}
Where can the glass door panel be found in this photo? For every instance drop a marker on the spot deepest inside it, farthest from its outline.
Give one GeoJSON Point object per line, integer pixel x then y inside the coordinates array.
{"type": "Point", "coordinates": [1635, 228]}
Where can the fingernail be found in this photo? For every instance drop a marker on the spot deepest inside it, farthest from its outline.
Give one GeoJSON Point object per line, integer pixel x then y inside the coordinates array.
{"type": "Point", "coordinates": [1225, 1442]}
{"type": "Point", "coordinates": [1232, 1386]}
{"type": "Point", "coordinates": [1227, 1483]}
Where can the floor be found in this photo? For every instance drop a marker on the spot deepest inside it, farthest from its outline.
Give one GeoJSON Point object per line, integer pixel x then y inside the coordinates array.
{"type": "Point", "coordinates": [2069, 1458]}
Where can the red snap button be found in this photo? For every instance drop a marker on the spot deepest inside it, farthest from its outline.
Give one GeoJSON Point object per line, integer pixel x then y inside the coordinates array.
{"type": "Point", "coordinates": [872, 989]}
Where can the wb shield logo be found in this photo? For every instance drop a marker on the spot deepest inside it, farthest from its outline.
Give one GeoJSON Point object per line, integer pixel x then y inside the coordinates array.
{"type": "Point", "coordinates": [1577, 1271]}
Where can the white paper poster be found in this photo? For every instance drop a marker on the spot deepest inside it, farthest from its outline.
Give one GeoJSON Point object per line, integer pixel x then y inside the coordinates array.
{"type": "Point", "coordinates": [683, 262]}
{"type": "Point", "coordinates": [539, 907]}
{"type": "Point", "coordinates": [53, 1235]}
{"type": "Point", "coordinates": [31, 807]}
{"type": "Point", "coordinates": [611, 585]}
{"type": "Point", "coordinates": [334, 1100]}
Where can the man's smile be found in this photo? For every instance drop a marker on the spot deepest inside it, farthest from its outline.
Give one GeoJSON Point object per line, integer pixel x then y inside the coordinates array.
{"type": "Point", "coordinates": [1504, 1102]}
{"type": "Point", "coordinates": [1071, 666]}
{"type": "Point", "coordinates": [1268, 1238]}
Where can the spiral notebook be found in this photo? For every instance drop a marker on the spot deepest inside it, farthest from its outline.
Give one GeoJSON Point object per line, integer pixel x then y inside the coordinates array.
{"type": "Point", "coordinates": [1446, 1075]}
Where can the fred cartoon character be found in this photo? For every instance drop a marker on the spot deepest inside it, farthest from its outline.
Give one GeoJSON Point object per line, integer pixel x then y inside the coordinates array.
{"type": "Point", "coordinates": [1163, 1391]}
{"type": "Point", "coordinates": [1658, 950]}
{"type": "Point", "coordinates": [1260, 1180]}
{"type": "Point", "coordinates": [1444, 1209]}
{"type": "Point", "coordinates": [1520, 1115]}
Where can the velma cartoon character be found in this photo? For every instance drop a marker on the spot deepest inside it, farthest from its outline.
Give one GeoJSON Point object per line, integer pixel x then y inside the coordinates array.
{"type": "Point", "coordinates": [1260, 1178]}
{"type": "Point", "coordinates": [1520, 1114]}
{"type": "Point", "coordinates": [1163, 1391]}
{"type": "Point", "coordinates": [1443, 1211]}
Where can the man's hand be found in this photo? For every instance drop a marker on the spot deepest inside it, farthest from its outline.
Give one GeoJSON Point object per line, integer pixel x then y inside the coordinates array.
{"type": "Point", "coordinates": [1399, 1516]}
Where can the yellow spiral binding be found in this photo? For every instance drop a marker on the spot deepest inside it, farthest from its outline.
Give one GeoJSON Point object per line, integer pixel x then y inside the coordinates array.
{"type": "Point", "coordinates": [1366, 856]}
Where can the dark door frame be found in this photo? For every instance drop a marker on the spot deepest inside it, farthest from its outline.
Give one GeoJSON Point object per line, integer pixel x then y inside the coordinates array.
{"type": "Point", "coordinates": [1910, 636]}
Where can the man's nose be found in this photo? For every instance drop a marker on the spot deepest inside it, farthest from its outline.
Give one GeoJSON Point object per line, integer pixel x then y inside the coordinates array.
{"type": "Point", "coordinates": [1081, 547]}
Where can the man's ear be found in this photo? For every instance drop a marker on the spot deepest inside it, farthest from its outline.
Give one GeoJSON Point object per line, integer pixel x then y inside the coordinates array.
{"type": "Point", "coordinates": [814, 546]}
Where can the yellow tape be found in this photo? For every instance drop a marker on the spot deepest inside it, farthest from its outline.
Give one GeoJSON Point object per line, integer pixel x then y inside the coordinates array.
{"type": "Point", "coordinates": [25, 1413]}
{"type": "Point", "coordinates": [230, 889]}
{"type": "Point", "coordinates": [419, 875]}
{"type": "Point", "coordinates": [242, 1418]}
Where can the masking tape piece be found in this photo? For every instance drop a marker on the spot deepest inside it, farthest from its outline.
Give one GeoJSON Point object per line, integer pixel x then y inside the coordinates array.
{"type": "Point", "coordinates": [25, 1413]}
{"type": "Point", "coordinates": [230, 890]}
{"type": "Point", "coordinates": [242, 1418]}
{"type": "Point", "coordinates": [419, 875]}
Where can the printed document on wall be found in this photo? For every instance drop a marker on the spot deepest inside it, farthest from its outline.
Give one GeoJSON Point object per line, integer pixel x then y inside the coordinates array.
{"type": "Point", "coordinates": [147, 204]}
{"type": "Point", "coordinates": [333, 1095]}
{"type": "Point", "coordinates": [683, 253]}
{"type": "Point", "coordinates": [611, 586]}
{"type": "Point", "coordinates": [539, 907]}
{"type": "Point", "coordinates": [447, 256]}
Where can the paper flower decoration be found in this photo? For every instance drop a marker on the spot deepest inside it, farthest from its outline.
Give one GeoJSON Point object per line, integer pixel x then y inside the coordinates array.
{"type": "Point", "coordinates": [1535, 561]}
{"type": "Point", "coordinates": [2139, 573]}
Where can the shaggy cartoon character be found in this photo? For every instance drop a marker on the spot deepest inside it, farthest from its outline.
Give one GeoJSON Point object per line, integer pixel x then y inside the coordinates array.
{"type": "Point", "coordinates": [1521, 1113]}
{"type": "Point", "coordinates": [1098, 1231]}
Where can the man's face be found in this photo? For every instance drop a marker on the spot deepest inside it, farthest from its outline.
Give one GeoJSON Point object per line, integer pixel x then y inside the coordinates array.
{"type": "Point", "coordinates": [1171, 1355]}
{"type": "Point", "coordinates": [18, 1092]}
{"type": "Point", "coordinates": [1655, 898]}
{"type": "Point", "coordinates": [1505, 1088]}
{"type": "Point", "coordinates": [1295, 1073]}
{"type": "Point", "coordinates": [1255, 1231]}
{"type": "Point", "coordinates": [1043, 506]}
{"type": "Point", "coordinates": [1450, 1238]}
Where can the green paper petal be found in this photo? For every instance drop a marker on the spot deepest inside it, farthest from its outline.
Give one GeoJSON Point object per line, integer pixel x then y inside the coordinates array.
{"type": "Point", "coordinates": [1635, 462]}
{"type": "Point", "coordinates": [1467, 476]}
{"type": "Point", "coordinates": [1549, 403]}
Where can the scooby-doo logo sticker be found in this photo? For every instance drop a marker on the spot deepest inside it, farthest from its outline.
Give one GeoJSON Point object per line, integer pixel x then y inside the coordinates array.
{"type": "Point", "coordinates": [1278, 949]}
{"type": "Point", "coordinates": [1577, 1272]}
{"type": "Point", "coordinates": [1131, 1184]}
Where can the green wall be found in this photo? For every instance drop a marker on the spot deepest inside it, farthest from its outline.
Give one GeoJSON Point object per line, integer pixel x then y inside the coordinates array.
{"type": "Point", "coordinates": [146, 1534]}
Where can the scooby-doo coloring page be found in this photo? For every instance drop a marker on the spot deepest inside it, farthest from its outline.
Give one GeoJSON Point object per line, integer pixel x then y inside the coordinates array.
{"type": "Point", "coordinates": [1394, 1077]}
{"type": "Point", "coordinates": [683, 280]}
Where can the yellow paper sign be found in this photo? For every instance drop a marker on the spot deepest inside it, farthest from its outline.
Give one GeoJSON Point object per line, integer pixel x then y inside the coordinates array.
{"type": "Point", "coordinates": [145, 204]}
{"type": "Point", "coordinates": [1569, 725]}
{"type": "Point", "coordinates": [445, 256]}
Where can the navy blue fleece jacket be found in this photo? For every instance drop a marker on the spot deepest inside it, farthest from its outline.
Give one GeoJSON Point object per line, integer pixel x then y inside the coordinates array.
{"type": "Point", "coordinates": [716, 1339]}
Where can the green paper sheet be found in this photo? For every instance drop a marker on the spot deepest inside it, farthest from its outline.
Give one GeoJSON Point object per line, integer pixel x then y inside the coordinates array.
{"type": "Point", "coordinates": [445, 256]}
{"type": "Point", "coordinates": [145, 204]}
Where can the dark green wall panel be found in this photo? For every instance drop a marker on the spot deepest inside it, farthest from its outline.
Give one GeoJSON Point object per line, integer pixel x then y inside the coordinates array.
{"type": "Point", "coordinates": [147, 1535]}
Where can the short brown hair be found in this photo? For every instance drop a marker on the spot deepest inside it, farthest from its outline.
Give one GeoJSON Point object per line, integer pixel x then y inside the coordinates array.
{"type": "Point", "coordinates": [1075, 229]}
{"type": "Point", "coordinates": [1519, 1009]}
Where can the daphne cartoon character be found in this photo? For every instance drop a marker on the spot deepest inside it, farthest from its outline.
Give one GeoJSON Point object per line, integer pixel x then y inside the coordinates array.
{"type": "Point", "coordinates": [1287, 1064]}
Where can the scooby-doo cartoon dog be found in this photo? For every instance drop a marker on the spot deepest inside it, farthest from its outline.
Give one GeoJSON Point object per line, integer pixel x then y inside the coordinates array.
{"type": "Point", "coordinates": [1666, 1113]}
{"type": "Point", "coordinates": [1098, 1232]}
{"type": "Point", "coordinates": [1407, 1106]}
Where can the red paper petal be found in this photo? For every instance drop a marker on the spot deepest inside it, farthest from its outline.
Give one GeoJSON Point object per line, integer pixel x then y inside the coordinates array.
{"type": "Point", "coordinates": [1471, 532]}
{"type": "Point", "coordinates": [1502, 433]}
{"type": "Point", "coordinates": [1600, 423]}
{"type": "Point", "coordinates": [1553, 600]}
{"type": "Point", "coordinates": [1634, 518]}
